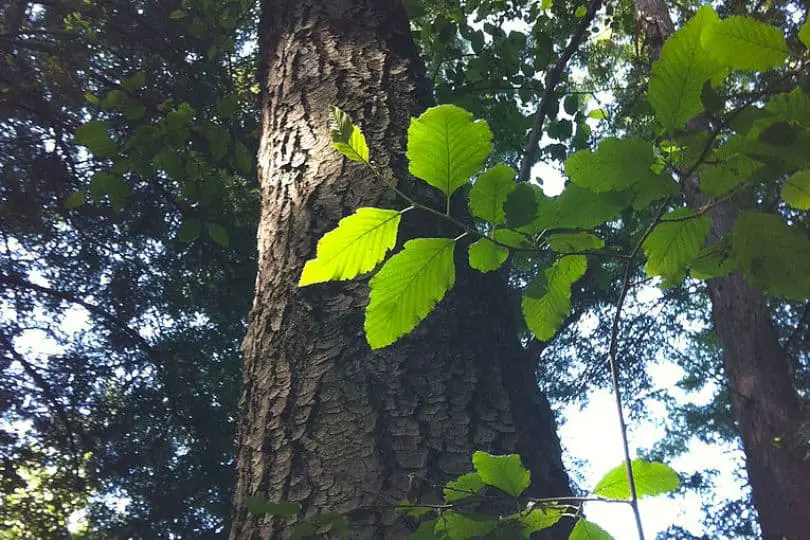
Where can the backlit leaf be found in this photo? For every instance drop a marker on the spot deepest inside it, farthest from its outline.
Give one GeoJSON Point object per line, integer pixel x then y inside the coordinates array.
{"type": "Point", "coordinates": [745, 44]}
{"type": "Point", "coordinates": [506, 473]}
{"type": "Point", "coordinates": [547, 300]}
{"type": "Point", "coordinates": [462, 487]}
{"type": "Point", "coordinates": [796, 191]}
{"type": "Point", "coordinates": [772, 255]}
{"type": "Point", "coordinates": [614, 166]}
{"type": "Point", "coordinates": [407, 289]}
{"type": "Point", "coordinates": [588, 530]}
{"type": "Point", "coordinates": [486, 256]}
{"type": "Point", "coordinates": [674, 243]}
{"type": "Point", "coordinates": [650, 478]}
{"type": "Point", "coordinates": [446, 147]}
{"type": "Point", "coordinates": [356, 246]}
{"type": "Point", "coordinates": [346, 137]}
{"type": "Point", "coordinates": [574, 242]}
{"type": "Point", "coordinates": [490, 192]}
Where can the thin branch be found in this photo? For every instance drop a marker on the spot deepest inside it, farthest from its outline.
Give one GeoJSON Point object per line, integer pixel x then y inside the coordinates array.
{"type": "Point", "coordinates": [614, 369]}
{"type": "Point", "coordinates": [552, 80]}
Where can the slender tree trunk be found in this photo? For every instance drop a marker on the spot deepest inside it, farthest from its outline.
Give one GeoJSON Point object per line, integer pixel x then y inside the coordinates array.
{"type": "Point", "coordinates": [326, 422]}
{"type": "Point", "coordinates": [764, 399]}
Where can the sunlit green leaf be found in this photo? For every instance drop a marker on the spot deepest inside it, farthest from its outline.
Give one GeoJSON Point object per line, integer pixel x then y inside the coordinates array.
{"type": "Point", "coordinates": [355, 246]}
{"type": "Point", "coordinates": [614, 166]}
{"type": "Point", "coordinates": [574, 242]}
{"type": "Point", "coordinates": [650, 478]}
{"type": "Point", "coordinates": [745, 44]}
{"type": "Point", "coordinates": [772, 255]}
{"type": "Point", "coordinates": [804, 34]}
{"type": "Point", "coordinates": [678, 75]}
{"type": "Point", "coordinates": [346, 137]}
{"type": "Point", "coordinates": [94, 136]}
{"type": "Point", "coordinates": [486, 256]}
{"type": "Point", "coordinates": [462, 487]}
{"type": "Point", "coordinates": [674, 243]}
{"type": "Point", "coordinates": [588, 530]}
{"type": "Point", "coordinates": [407, 289]}
{"type": "Point", "coordinates": [796, 191]}
{"type": "Point", "coordinates": [490, 191]}
{"type": "Point", "coordinates": [539, 519]}
{"type": "Point", "coordinates": [446, 147]}
{"type": "Point", "coordinates": [506, 473]}
{"type": "Point", "coordinates": [461, 527]}
{"type": "Point", "coordinates": [547, 300]}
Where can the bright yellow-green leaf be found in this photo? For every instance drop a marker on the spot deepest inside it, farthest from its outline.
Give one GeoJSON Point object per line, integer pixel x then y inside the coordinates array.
{"type": "Point", "coordinates": [772, 255]}
{"type": "Point", "coordinates": [446, 147]}
{"type": "Point", "coordinates": [357, 245]}
{"type": "Point", "coordinates": [574, 242]}
{"type": "Point", "coordinates": [615, 165]}
{"type": "Point", "coordinates": [346, 137]}
{"type": "Point", "coordinates": [745, 44]}
{"type": "Point", "coordinates": [539, 519]}
{"type": "Point", "coordinates": [490, 192]}
{"type": "Point", "coordinates": [407, 288]}
{"type": "Point", "coordinates": [796, 191]}
{"type": "Point", "coordinates": [804, 34]}
{"type": "Point", "coordinates": [511, 238]}
{"type": "Point", "coordinates": [547, 300]}
{"type": "Point", "coordinates": [462, 487]}
{"type": "Point", "coordinates": [588, 530]}
{"type": "Point", "coordinates": [714, 261]}
{"type": "Point", "coordinates": [598, 114]}
{"type": "Point", "coordinates": [461, 527]}
{"type": "Point", "coordinates": [506, 473]}
{"type": "Point", "coordinates": [674, 243]}
{"type": "Point", "coordinates": [679, 74]}
{"type": "Point", "coordinates": [650, 478]}
{"type": "Point", "coordinates": [486, 256]}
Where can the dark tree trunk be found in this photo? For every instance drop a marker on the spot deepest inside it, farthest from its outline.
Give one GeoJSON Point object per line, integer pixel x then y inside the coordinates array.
{"type": "Point", "coordinates": [764, 399]}
{"type": "Point", "coordinates": [327, 422]}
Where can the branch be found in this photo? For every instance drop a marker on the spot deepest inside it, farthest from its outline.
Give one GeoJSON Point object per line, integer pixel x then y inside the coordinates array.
{"type": "Point", "coordinates": [552, 80]}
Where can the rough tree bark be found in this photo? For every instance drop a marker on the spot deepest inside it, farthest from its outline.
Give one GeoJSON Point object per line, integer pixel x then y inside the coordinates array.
{"type": "Point", "coordinates": [764, 399]}
{"type": "Point", "coordinates": [327, 422]}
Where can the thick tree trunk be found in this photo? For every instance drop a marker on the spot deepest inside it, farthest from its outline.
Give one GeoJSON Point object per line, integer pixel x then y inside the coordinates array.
{"type": "Point", "coordinates": [327, 422]}
{"type": "Point", "coordinates": [763, 396]}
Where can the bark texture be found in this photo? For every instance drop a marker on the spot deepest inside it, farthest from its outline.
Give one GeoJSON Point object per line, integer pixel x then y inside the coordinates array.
{"type": "Point", "coordinates": [764, 399]}
{"type": "Point", "coordinates": [326, 421]}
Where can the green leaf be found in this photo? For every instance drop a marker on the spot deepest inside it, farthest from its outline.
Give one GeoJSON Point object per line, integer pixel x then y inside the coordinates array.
{"type": "Point", "coordinates": [796, 191]}
{"type": "Point", "coordinates": [461, 527]}
{"type": "Point", "coordinates": [577, 208]}
{"type": "Point", "coordinates": [338, 525]}
{"type": "Point", "coordinates": [714, 261]}
{"type": "Point", "coordinates": [407, 508]}
{"type": "Point", "coordinates": [539, 519]}
{"type": "Point", "coordinates": [243, 158]}
{"type": "Point", "coordinates": [177, 15]}
{"type": "Point", "coordinates": [731, 167]}
{"type": "Point", "coordinates": [678, 75]}
{"type": "Point", "coordinates": [111, 185]}
{"type": "Point", "coordinates": [446, 147]}
{"type": "Point", "coordinates": [506, 473]}
{"type": "Point", "coordinates": [74, 200]}
{"type": "Point", "coordinates": [651, 478]}
{"type": "Point", "coordinates": [588, 530]}
{"type": "Point", "coordinates": [792, 107]}
{"type": "Point", "coordinates": [745, 44]}
{"type": "Point", "coordinates": [189, 230]}
{"type": "Point", "coordinates": [219, 140]}
{"type": "Point", "coordinates": [462, 487]}
{"type": "Point", "coordinates": [355, 246]}
{"type": "Point", "coordinates": [651, 188]}
{"type": "Point", "coordinates": [674, 243]}
{"type": "Point", "coordinates": [598, 114]}
{"type": "Point", "coordinates": [135, 81]}
{"type": "Point", "coordinates": [772, 255]}
{"type": "Point", "coordinates": [489, 193]}
{"type": "Point", "coordinates": [486, 256]}
{"type": "Point", "coordinates": [520, 207]}
{"type": "Point", "coordinates": [580, 12]}
{"type": "Point", "coordinates": [511, 238]}
{"type": "Point", "coordinates": [302, 530]}
{"type": "Point", "coordinates": [547, 300]}
{"type": "Point", "coordinates": [227, 106]}
{"type": "Point", "coordinates": [258, 506]}
{"type": "Point", "coordinates": [407, 289]}
{"type": "Point", "coordinates": [616, 165]}
{"type": "Point", "coordinates": [574, 242]}
{"type": "Point", "coordinates": [346, 137]}
{"type": "Point", "coordinates": [804, 34]}
{"type": "Point", "coordinates": [218, 234]}
{"type": "Point", "coordinates": [94, 136]}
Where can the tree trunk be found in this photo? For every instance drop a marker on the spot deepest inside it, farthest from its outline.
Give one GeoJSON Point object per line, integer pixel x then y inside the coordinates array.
{"type": "Point", "coordinates": [326, 422]}
{"type": "Point", "coordinates": [764, 399]}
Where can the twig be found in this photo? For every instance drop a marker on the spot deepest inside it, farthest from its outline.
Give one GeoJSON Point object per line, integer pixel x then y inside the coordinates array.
{"type": "Point", "coordinates": [551, 82]}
